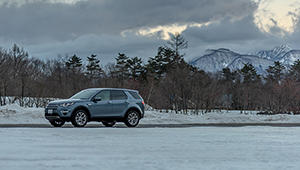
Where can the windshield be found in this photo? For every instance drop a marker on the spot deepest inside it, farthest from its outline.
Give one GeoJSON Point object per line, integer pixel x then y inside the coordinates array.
{"type": "Point", "coordinates": [85, 94]}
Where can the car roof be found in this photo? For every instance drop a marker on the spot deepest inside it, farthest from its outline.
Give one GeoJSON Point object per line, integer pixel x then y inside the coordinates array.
{"type": "Point", "coordinates": [111, 89]}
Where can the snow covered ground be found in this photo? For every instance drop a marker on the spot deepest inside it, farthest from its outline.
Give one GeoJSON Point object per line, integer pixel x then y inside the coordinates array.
{"type": "Point", "coordinates": [196, 148]}
{"type": "Point", "coordinates": [14, 114]}
{"type": "Point", "coordinates": [154, 117]}
{"type": "Point", "coordinates": [151, 148]}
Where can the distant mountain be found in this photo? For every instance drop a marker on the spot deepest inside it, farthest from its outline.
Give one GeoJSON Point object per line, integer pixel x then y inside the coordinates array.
{"type": "Point", "coordinates": [216, 59]}
{"type": "Point", "coordinates": [290, 57]}
{"type": "Point", "coordinates": [275, 54]}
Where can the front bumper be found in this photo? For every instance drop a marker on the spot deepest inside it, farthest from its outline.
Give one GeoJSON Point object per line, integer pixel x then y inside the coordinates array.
{"type": "Point", "coordinates": [52, 118]}
{"type": "Point", "coordinates": [57, 112]}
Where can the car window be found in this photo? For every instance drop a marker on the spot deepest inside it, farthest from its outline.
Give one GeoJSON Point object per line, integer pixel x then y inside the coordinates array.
{"type": "Point", "coordinates": [84, 94]}
{"type": "Point", "coordinates": [105, 95]}
{"type": "Point", "coordinates": [134, 94]}
{"type": "Point", "coordinates": [118, 95]}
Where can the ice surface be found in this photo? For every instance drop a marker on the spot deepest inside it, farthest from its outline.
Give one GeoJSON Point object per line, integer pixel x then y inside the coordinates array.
{"type": "Point", "coordinates": [150, 148]}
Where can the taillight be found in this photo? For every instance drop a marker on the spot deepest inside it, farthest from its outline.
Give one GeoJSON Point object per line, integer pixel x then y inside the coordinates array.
{"type": "Point", "coordinates": [143, 102]}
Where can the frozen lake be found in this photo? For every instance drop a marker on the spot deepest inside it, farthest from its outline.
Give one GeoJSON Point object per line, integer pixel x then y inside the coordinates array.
{"type": "Point", "coordinates": [151, 148]}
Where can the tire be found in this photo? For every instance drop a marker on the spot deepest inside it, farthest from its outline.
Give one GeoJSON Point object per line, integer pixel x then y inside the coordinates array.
{"type": "Point", "coordinates": [132, 118]}
{"type": "Point", "coordinates": [57, 123]}
{"type": "Point", "coordinates": [79, 118]}
{"type": "Point", "coordinates": [108, 124]}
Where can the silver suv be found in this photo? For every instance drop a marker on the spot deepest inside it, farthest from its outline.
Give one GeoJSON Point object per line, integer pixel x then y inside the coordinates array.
{"type": "Point", "coordinates": [107, 105]}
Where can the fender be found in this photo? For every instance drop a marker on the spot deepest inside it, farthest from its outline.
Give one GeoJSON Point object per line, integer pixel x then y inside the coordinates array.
{"type": "Point", "coordinates": [137, 109]}
{"type": "Point", "coordinates": [83, 107]}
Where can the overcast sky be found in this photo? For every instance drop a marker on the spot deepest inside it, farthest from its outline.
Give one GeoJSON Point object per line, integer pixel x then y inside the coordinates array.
{"type": "Point", "coordinates": [48, 28]}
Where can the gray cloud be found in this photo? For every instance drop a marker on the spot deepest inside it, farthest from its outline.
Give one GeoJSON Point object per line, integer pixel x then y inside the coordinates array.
{"type": "Point", "coordinates": [95, 26]}
{"type": "Point", "coordinates": [241, 36]}
{"type": "Point", "coordinates": [42, 22]}
{"type": "Point", "coordinates": [105, 46]}
{"type": "Point", "coordinates": [226, 31]}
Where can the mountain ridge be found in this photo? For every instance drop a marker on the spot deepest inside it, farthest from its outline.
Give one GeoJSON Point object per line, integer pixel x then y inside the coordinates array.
{"type": "Point", "coordinates": [216, 59]}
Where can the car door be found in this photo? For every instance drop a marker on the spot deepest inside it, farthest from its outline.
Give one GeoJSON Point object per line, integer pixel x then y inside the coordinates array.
{"type": "Point", "coordinates": [119, 102]}
{"type": "Point", "coordinates": [103, 107]}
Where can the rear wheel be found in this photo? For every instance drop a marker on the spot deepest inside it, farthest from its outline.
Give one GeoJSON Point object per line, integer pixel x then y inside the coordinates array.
{"type": "Point", "coordinates": [108, 124]}
{"type": "Point", "coordinates": [132, 118]}
{"type": "Point", "coordinates": [57, 123]}
{"type": "Point", "coordinates": [79, 118]}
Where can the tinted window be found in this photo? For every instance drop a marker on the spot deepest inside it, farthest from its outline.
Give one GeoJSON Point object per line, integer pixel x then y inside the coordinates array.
{"type": "Point", "coordinates": [85, 94]}
{"type": "Point", "coordinates": [104, 95]}
{"type": "Point", "coordinates": [118, 95]}
{"type": "Point", "coordinates": [134, 95]}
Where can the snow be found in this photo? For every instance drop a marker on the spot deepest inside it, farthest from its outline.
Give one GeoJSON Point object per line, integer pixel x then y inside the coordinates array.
{"type": "Point", "coordinates": [14, 114]}
{"type": "Point", "coordinates": [255, 147]}
{"type": "Point", "coordinates": [150, 148]}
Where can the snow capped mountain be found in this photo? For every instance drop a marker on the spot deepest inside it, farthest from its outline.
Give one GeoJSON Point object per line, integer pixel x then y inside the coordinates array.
{"type": "Point", "coordinates": [290, 57]}
{"type": "Point", "coordinates": [275, 54]}
{"type": "Point", "coordinates": [216, 59]}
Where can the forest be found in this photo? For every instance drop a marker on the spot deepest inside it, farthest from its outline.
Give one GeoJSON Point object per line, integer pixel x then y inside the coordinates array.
{"type": "Point", "coordinates": [165, 81]}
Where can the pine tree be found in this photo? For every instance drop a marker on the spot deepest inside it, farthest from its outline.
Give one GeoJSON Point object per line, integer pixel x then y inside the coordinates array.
{"type": "Point", "coordinates": [177, 42]}
{"type": "Point", "coordinates": [74, 62]}
{"type": "Point", "coordinates": [249, 73]}
{"type": "Point", "coordinates": [135, 67]}
{"type": "Point", "coordinates": [122, 67]}
{"type": "Point", "coordinates": [74, 66]}
{"type": "Point", "coordinates": [159, 64]}
{"type": "Point", "coordinates": [294, 71]}
{"type": "Point", "coordinates": [228, 75]}
{"type": "Point", "coordinates": [275, 72]}
{"type": "Point", "coordinates": [93, 67]}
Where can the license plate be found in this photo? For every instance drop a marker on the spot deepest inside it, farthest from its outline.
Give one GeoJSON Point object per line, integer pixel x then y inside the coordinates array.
{"type": "Point", "coordinates": [50, 111]}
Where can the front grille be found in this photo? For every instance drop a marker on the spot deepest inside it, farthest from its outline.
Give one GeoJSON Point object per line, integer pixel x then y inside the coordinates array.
{"type": "Point", "coordinates": [52, 107]}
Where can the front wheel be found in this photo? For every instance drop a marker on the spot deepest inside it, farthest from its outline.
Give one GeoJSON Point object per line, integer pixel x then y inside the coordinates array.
{"type": "Point", "coordinates": [79, 118]}
{"type": "Point", "coordinates": [57, 123]}
{"type": "Point", "coordinates": [108, 124]}
{"type": "Point", "coordinates": [132, 118]}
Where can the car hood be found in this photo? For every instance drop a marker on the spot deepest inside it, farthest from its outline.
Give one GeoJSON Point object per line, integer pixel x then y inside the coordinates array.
{"type": "Point", "coordinates": [65, 101]}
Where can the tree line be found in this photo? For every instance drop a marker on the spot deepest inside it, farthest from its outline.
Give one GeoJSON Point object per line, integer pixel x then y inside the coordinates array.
{"type": "Point", "coordinates": [166, 81]}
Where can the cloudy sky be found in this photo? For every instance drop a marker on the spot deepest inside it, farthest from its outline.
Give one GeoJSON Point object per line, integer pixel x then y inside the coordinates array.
{"type": "Point", "coordinates": [48, 28]}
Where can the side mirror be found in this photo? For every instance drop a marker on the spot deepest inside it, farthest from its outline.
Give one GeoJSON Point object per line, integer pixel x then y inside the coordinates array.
{"type": "Point", "coordinates": [96, 99]}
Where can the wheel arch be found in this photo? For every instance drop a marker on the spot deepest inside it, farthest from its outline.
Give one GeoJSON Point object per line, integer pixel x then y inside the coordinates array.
{"type": "Point", "coordinates": [135, 109]}
{"type": "Point", "coordinates": [82, 108]}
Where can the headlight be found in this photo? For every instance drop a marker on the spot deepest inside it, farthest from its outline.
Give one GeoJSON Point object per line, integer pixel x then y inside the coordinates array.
{"type": "Point", "coordinates": [66, 104]}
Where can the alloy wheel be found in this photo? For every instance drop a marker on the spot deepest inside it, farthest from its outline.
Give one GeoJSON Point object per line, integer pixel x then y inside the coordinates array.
{"type": "Point", "coordinates": [81, 118]}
